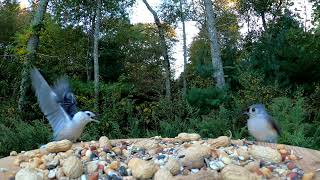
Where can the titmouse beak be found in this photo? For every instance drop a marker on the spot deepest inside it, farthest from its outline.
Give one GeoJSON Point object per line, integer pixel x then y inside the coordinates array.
{"type": "Point", "coordinates": [246, 112]}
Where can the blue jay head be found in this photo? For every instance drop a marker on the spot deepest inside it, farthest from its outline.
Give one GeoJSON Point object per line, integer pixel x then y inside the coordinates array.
{"type": "Point", "coordinates": [255, 109]}
{"type": "Point", "coordinates": [89, 116]}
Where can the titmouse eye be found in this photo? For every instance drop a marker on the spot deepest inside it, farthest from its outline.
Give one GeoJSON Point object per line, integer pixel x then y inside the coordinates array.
{"type": "Point", "coordinates": [253, 110]}
{"type": "Point", "coordinates": [88, 114]}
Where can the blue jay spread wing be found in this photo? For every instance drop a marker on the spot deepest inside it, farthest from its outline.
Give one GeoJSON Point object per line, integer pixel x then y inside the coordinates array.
{"type": "Point", "coordinates": [48, 102]}
{"type": "Point", "coordinates": [65, 96]}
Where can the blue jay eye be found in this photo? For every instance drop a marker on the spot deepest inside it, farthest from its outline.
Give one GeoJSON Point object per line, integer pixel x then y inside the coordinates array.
{"type": "Point", "coordinates": [253, 109]}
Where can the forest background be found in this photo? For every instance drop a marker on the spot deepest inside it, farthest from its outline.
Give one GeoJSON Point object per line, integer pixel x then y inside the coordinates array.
{"type": "Point", "coordinates": [124, 72]}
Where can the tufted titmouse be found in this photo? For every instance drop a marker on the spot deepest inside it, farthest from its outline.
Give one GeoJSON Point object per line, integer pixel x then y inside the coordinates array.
{"type": "Point", "coordinates": [261, 125]}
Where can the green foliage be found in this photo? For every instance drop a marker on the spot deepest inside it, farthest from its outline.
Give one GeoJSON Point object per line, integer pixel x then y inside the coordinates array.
{"type": "Point", "coordinates": [22, 136]}
{"type": "Point", "coordinates": [206, 99]}
{"type": "Point", "coordinates": [291, 115]}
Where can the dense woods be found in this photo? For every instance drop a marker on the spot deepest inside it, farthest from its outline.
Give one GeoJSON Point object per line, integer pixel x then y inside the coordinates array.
{"type": "Point", "coordinates": [245, 52]}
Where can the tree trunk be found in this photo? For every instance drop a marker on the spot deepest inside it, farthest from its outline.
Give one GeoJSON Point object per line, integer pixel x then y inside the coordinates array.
{"type": "Point", "coordinates": [164, 47]}
{"type": "Point", "coordinates": [32, 46]}
{"type": "Point", "coordinates": [96, 54]}
{"type": "Point", "coordinates": [184, 90]}
{"type": "Point", "coordinates": [218, 73]}
{"type": "Point", "coordinates": [264, 21]}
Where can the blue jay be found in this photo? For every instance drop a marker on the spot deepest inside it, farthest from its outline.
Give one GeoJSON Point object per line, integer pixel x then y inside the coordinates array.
{"type": "Point", "coordinates": [261, 125]}
{"type": "Point", "coordinates": [59, 107]}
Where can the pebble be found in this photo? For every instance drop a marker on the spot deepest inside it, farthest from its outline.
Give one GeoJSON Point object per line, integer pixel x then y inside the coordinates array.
{"type": "Point", "coordinates": [123, 171]}
{"type": "Point", "coordinates": [216, 165]}
{"type": "Point", "coordinates": [291, 165]}
{"type": "Point", "coordinates": [293, 176]}
{"type": "Point", "coordinates": [172, 158]}
{"type": "Point", "coordinates": [161, 156]}
{"type": "Point", "coordinates": [194, 170]}
{"type": "Point", "coordinates": [52, 173]}
{"type": "Point", "coordinates": [226, 160]}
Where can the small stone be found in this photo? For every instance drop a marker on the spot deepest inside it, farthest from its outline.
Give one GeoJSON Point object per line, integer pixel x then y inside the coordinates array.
{"type": "Point", "coordinates": [292, 176]}
{"type": "Point", "coordinates": [123, 171]}
{"type": "Point", "coordinates": [194, 170]}
{"type": "Point", "coordinates": [92, 167]}
{"type": "Point", "coordinates": [308, 176]}
{"type": "Point", "coordinates": [291, 165]}
{"type": "Point", "coordinates": [161, 156]}
{"type": "Point", "coordinates": [83, 177]}
{"type": "Point", "coordinates": [117, 150]}
{"type": "Point", "coordinates": [93, 147]}
{"type": "Point", "coordinates": [94, 156]}
{"type": "Point", "coordinates": [128, 178]}
{"type": "Point", "coordinates": [88, 153]}
{"type": "Point", "coordinates": [13, 153]}
{"type": "Point", "coordinates": [216, 165]}
{"type": "Point", "coordinates": [125, 153]}
{"type": "Point", "coordinates": [114, 165]}
{"type": "Point", "coordinates": [93, 176]}
{"type": "Point", "coordinates": [173, 166]}
{"type": "Point", "coordinates": [280, 171]}
{"type": "Point", "coordinates": [226, 160]}
{"type": "Point", "coordinates": [52, 173]}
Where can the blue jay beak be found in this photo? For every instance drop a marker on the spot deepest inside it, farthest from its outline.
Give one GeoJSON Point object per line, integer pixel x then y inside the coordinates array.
{"type": "Point", "coordinates": [94, 120]}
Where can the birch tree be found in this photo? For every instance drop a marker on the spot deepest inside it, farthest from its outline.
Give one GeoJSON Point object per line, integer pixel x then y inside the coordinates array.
{"type": "Point", "coordinates": [218, 73]}
{"type": "Point", "coordinates": [96, 53]}
{"type": "Point", "coordinates": [161, 32]}
{"type": "Point", "coordinates": [32, 46]}
{"type": "Point", "coordinates": [184, 90]}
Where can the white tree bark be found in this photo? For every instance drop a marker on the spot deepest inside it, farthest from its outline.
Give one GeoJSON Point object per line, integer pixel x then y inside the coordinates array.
{"type": "Point", "coordinates": [164, 47]}
{"type": "Point", "coordinates": [96, 53]}
{"type": "Point", "coordinates": [184, 90]}
{"type": "Point", "coordinates": [32, 46]}
{"type": "Point", "coordinates": [218, 73]}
